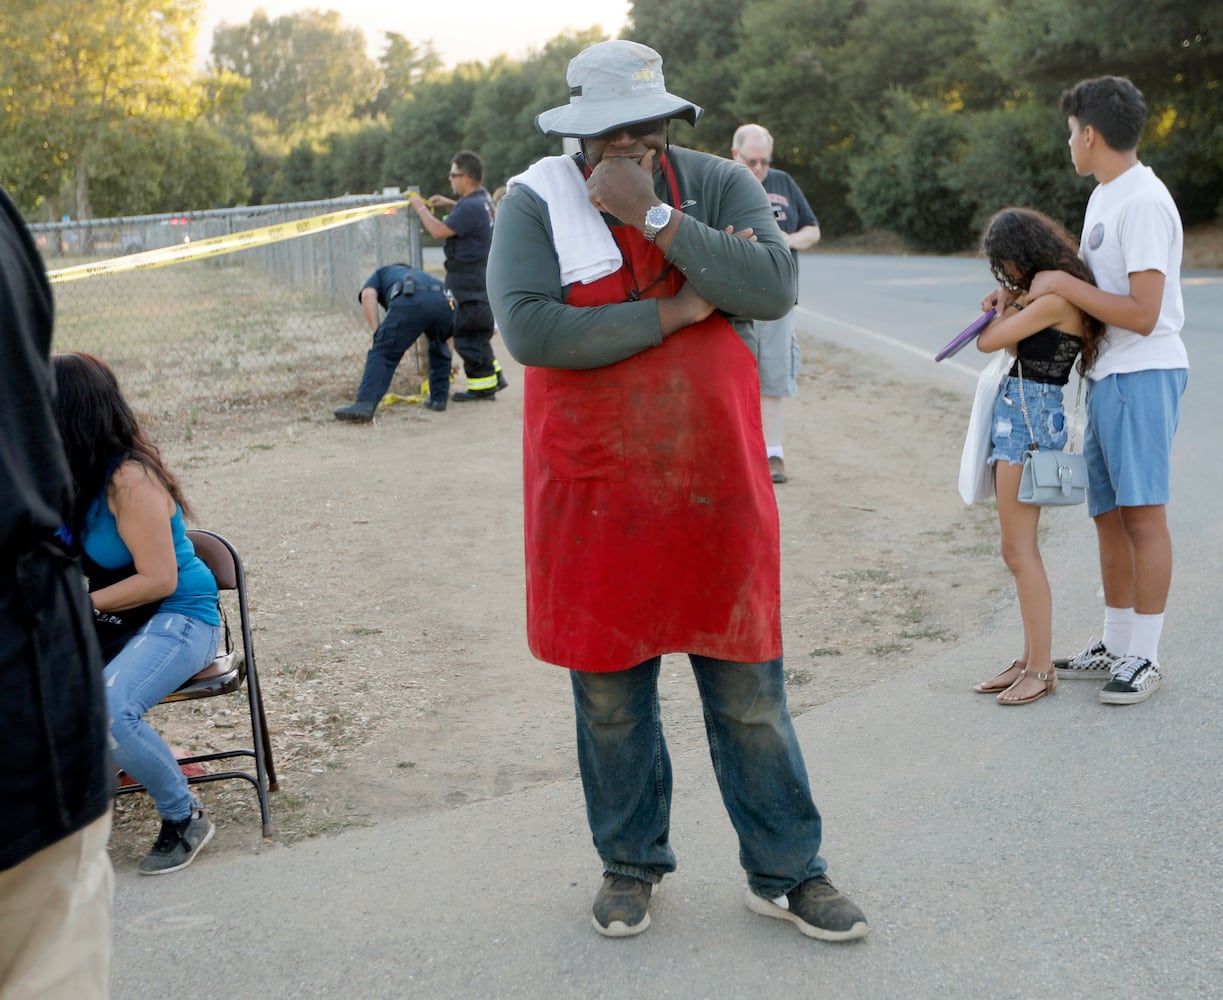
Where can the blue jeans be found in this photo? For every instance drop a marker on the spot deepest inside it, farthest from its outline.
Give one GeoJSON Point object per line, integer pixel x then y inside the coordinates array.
{"type": "Point", "coordinates": [156, 661]}
{"type": "Point", "coordinates": [626, 771]}
{"type": "Point", "coordinates": [426, 311]}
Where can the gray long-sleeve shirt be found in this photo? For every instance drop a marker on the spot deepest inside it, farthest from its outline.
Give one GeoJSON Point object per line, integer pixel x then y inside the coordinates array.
{"type": "Point", "coordinates": [745, 280]}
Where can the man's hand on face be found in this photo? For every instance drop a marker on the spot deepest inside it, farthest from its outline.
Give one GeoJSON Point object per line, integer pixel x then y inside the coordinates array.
{"type": "Point", "coordinates": [623, 186]}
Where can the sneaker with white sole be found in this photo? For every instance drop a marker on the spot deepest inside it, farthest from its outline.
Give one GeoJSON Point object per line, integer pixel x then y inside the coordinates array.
{"type": "Point", "coordinates": [1094, 663]}
{"type": "Point", "coordinates": [622, 906]}
{"type": "Point", "coordinates": [178, 844]}
{"type": "Point", "coordinates": [1134, 679]}
{"type": "Point", "coordinates": [817, 908]}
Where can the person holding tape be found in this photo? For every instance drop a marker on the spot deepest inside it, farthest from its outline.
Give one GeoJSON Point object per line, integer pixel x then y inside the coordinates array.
{"type": "Point", "coordinates": [467, 235]}
{"type": "Point", "coordinates": [415, 303]}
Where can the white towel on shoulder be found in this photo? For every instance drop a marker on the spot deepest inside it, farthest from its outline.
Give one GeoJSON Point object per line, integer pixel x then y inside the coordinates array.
{"type": "Point", "coordinates": [584, 245]}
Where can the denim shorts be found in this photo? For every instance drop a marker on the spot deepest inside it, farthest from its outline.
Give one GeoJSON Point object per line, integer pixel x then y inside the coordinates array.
{"type": "Point", "coordinates": [1131, 418]}
{"type": "Point", "coordinates": [1009, 437]}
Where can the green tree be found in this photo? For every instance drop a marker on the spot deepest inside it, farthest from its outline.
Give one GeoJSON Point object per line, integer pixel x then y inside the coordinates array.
{"type": "Point", "coordinates": [306, 70]}
{"type": "Point", "coordinates": [145, 166]}
{"type": "Point", "coordinates": [1016, 155]}
{"type": "Point", "coordinates": [501, 123]}
{"type": "Point", "coordinates": [74, 73]}
{"type": "Point", "coordinates": [901, 184]}
{"type": "Point", "coordinates": [699, 42]}
{"type": "Point", "coordinates": [792, 59]}
{"type": "Point", "coordinates": [404, 66]}
{"type": "Point", "coordinates": [428, 129]}
{"type": "Point", "coordinates": [1171, 49]}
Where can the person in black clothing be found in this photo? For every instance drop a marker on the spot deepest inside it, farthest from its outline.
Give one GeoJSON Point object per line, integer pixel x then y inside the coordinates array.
{"type": "Point", "coordinates": [58, 779]}
{"type": "Point", "coordinates": [467, 232]}
{"type": "Point", "coordinates": [415, 303]}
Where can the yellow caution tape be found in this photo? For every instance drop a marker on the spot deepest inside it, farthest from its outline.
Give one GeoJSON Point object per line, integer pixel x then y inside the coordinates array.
{"type": "Point", "coordinates": [218, 245]}
{"type": "Point", "coordinates": [420, 397]}
{"type": "Point", "coordinates": [390, 398]}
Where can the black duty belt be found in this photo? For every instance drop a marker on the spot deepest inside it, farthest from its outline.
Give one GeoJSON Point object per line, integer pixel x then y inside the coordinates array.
{"type": "Point", "coordinates": [410, 287]}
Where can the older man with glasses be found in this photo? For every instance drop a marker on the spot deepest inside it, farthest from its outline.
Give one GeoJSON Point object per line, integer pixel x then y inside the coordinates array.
{"type": "Point", "coordinates": [777, 356]}
{"type": "Point", "coordinates": [626, 279]}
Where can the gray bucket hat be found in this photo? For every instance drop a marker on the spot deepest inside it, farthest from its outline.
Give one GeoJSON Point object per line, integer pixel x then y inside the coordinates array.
{"type": "Point", "coordinates": [613, 84]}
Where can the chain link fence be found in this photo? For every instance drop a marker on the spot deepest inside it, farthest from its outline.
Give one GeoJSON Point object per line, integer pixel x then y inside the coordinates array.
{"type": "Point", "coordinates": [261, 333]}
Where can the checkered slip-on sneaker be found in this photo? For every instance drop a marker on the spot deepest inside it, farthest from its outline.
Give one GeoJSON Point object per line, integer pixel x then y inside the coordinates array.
{"type": "Point", "coordinates": [1134, 679]}
{"type": "Point", "coordinates": [1094, 663]}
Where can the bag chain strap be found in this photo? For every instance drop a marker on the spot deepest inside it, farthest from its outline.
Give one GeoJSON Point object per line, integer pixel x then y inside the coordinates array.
{"type": "Point", "coordinates": [1023, 405]}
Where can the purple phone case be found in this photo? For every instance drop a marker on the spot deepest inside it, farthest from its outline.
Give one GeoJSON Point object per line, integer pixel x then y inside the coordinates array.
{"type": "Point", "coordinates": [965, 335]}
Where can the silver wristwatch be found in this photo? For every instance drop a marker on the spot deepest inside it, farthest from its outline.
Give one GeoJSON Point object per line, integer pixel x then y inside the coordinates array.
{"type": "Point", "coordinates": [656, 220]}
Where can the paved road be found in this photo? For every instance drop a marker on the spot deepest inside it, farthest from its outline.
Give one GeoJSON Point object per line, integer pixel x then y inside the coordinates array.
{"type": "Point", "coordinates": [1066, 850]}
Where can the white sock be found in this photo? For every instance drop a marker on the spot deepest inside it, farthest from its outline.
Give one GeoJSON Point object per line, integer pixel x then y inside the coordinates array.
{"type": "Point", "coordinates": [774, 452]}
{"type": "Point", "coordinates": [1118, 627]}
{"type": "Point", "coordinates": [1144, 638]}
{"type": "Point", "coordinates": [772, 422]}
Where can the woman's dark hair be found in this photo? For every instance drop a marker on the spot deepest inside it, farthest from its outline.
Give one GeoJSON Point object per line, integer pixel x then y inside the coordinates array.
{"type": "Point", "coordinates": [1034, 242]}
{"type": "Point", "coordinates": [99, 430]}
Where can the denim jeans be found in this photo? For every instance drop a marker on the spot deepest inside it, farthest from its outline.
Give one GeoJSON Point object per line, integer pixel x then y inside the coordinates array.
{"type": "Point", "coordinates": [626, 771]}
{"type": "Point", "coordinates": [155, 662]}
{"type": "Point", "coordinates": [426, 311]}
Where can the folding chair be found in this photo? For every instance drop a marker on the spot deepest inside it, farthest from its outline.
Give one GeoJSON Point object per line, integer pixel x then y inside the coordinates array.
{"type": "Point", "coordinates": [224, 675]}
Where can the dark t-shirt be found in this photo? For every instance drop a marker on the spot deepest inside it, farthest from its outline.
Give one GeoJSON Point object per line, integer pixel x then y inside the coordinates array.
{"type": "Point", "coordinates": [472, 222]}
{"type": "Point", "coordinates": [790, 208]}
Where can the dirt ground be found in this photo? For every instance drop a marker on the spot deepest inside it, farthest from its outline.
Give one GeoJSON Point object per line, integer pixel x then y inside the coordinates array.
{"type": "Point", "coordinates": [385, 571]}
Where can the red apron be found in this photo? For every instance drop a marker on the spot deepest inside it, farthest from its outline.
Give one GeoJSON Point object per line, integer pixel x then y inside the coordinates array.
{"type": "Point", "coordinates": [651, 523]}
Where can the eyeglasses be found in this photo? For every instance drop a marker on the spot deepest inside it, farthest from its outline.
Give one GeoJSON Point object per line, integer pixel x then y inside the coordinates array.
{"type": "Point", "coordinates": [756, 164]}
{"type": "Point", "coordinates": [459, 174]}
{"type": "Point", "coordinates": [638, 131]}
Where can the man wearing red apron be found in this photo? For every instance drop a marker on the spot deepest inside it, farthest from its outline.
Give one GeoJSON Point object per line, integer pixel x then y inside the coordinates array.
{"type": "Point", "coordinates": [625, 279]}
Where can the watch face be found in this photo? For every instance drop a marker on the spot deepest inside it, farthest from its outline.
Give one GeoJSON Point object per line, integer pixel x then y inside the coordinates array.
{"type": "Point", "coordinates": [658, 216]}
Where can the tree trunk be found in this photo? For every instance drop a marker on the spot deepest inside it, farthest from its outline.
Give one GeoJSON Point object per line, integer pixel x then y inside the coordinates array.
{"type": "Point", "coordinates": [83, 209]}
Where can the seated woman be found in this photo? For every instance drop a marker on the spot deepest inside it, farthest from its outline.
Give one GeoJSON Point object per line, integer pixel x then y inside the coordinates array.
{"type": "Point", "coordinates": [146, 583]}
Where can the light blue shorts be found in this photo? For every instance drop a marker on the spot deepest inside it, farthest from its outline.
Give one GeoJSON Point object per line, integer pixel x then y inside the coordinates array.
{"type": "Point", "coordinates": [1131, 418]}
{"type": "Point", "coordinates": [1009, 437]}
{"type": "Point", "coordinates": [777, 356]}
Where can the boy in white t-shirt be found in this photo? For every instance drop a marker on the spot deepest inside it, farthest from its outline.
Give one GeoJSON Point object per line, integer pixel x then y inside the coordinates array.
{"type": "Point", "coordinates": [1132, 240]}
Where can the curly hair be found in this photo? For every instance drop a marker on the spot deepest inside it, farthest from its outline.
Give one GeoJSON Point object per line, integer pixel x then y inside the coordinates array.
{"type": "Point", "coordinates": [1033, 242]}
{"type": "Point", "coordinates": [98, 430]}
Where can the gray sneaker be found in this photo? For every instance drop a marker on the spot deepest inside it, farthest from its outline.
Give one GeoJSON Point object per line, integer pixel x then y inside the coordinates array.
{"type": "Point", "coordinates": [1134, 679]}
{"type": "Point", "coordinates": [817, 908]}
{"type": "Point", "coordinates": [178, 844]}
{"type": "Point", "coordinates": [1094, 663]}
{"type": "Point", "coordinates": [622, 906]}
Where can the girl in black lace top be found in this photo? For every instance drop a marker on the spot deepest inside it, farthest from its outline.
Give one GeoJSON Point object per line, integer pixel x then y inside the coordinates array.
{"type": "Point", "coordinates": [1046, 338]}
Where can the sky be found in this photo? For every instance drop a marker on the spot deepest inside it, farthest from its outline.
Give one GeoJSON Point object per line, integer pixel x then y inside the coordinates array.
{"type": "Point", "coordinates": [477, 30]}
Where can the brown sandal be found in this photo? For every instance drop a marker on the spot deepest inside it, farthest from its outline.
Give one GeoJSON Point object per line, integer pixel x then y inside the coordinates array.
{"type": "Point", "coordinates": [988, 687]}
{"type": "Point", "coordinates": [1047, 677]}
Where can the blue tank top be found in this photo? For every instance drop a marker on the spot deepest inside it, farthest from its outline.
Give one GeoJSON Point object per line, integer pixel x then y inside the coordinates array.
{"type": "Point", "coordinates": [196, 593]}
